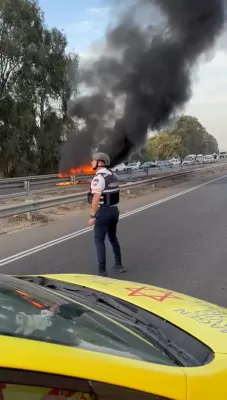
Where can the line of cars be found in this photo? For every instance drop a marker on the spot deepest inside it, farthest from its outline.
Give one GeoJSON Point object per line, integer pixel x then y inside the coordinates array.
{"type": "Point", "coordinates": [191, 159]}
{"type": "Point", "coordinates": [138, 165]}
{"type": "Point", "coordinates": [200, 159]}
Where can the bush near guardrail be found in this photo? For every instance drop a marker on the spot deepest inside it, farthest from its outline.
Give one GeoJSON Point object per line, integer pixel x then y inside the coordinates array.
{"type": "Point", "coordinates": [32, 206]}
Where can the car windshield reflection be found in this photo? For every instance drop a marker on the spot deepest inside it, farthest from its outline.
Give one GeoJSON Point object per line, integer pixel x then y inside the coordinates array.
{"type": "Point", "coordinates": [32, 312]}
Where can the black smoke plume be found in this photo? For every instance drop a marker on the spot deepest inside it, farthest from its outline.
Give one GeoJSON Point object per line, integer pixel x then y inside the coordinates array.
{"type": "Point", "coordinates": [143, 77]}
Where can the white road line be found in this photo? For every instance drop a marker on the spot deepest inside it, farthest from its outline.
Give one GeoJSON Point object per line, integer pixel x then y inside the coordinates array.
{"type": "Point", "coordinates": [62, 239]}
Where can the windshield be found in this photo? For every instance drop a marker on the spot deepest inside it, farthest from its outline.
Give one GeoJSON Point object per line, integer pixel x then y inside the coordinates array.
{"type": "Point", "coordinates": [32, 312]}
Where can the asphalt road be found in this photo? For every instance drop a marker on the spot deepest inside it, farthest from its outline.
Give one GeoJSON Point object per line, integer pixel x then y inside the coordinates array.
{"type": "Point", "coordinates": [177, 243]}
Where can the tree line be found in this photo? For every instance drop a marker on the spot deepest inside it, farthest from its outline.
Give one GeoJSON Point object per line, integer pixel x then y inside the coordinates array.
{"type": "Point", "coordinates": [187, 137]}
{"type": "Point", "coordinates": [36, 73]}
{"type": "Point", "coordinates": [37, 77]}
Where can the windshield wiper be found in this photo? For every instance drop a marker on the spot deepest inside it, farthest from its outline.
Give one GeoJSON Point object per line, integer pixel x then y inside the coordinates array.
{"type": "Point", "coordinates": [128, 314]}
{"type": "Point", "coordinates": [134, 318]}
{"type": "Point", "coordinates": [167, 336]}
{"type": "Point", "coordinates": [144, 326]}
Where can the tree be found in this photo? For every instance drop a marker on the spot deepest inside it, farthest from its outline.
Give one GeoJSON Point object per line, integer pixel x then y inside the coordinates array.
{"type": "Point", "coordinates": [69, 89]}
{"type": "Point", "coordinates": [17, 139]}
{"type": "Point", "coordinates": [52, 140]}
{"type": "Point", "coordinates": [211, 144]}
{"type": "Point", "coordinates": [195, 139]}
{"type": "Point", "coordinates": [164, 146]}
{"type": "Point", "coordinates": [56, 83]}
{"type": "Point", "coordinates": [20, 28]}
{"type": "Point", "coordinates": [191, 133]}
{"type": "Point", "coordinates": [50, 82]}
{"type": "Point", "coordinates": [37, 78]}
{"type": "Point", "coordinates": [188, 137]}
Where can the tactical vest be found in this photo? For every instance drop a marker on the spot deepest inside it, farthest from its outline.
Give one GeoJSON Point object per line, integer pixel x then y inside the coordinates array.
{"type": "Point", "coordinates": [111, 193]}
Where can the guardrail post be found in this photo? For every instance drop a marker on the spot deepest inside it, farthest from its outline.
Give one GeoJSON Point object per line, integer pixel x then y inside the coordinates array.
{"type": "Point", "coordinates": [74, 181]}
{"type": "Point", "coordinates": [130, 174]}
{"type": "Point", "coordinates": [28, 188]}
{"type": "Point", "coordinates": [29, 214]}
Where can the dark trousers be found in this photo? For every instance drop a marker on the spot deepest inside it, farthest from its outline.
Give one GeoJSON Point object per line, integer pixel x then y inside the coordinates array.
{"type": "Point", "coordinates": [106, 224]}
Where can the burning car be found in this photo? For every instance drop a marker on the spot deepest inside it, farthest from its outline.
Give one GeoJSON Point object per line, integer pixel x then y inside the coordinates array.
{"type": "Point", "coordinates": [87, 337]}
{"type": "Point", "coordinates": [76, 172]}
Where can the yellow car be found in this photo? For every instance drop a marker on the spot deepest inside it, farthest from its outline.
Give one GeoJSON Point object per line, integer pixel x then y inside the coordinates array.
{"type": "Point", "coordinates": [85, 337]}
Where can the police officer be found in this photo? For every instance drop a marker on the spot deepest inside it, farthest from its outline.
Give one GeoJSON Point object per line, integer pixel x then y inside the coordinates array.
{"type": "Point", "coordinates": [104, 197]}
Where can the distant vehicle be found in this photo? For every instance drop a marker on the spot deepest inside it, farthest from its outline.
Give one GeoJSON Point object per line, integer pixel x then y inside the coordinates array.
{"type": "Point", "coordinates": [119, 168]}
{"type": "Point", "coordinates": [174, 161]}
{"type": "Point", "coordinates": [191, 156]}
{"type": "Point", "coordinates": [223, 155]}
{"type": "Point", "coordinates": [209, 159]}
{"type": "Point", "coordinates": [163, 163]}
{"type": "Point", "coordinates": [148, 164]}
{"type": "Point", "coordinates": [199, 158]}
{"type": "Point", "coordinates": [188, 161]}
{"type": "Point", "coordinates": [133, 165]}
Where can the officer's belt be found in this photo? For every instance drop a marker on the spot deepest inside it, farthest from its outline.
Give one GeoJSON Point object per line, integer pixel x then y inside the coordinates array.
{"type": "Point", "coordinates": [102, 206]}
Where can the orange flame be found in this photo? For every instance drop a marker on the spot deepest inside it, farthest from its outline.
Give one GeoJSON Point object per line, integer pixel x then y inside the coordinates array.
{"type": "Point", "coordinates": [83, 170]}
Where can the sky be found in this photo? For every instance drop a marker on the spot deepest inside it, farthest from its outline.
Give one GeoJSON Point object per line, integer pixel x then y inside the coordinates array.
{"type": "Point", "coordinates": [84, 22]}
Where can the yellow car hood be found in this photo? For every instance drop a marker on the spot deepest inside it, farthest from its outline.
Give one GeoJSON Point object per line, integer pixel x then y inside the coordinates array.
{"type": "Point", "coordinates": [205, 321]}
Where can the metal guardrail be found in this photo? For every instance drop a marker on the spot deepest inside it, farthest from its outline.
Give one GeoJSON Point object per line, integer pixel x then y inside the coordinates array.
{"type": "Point", "coordinates": [45, 178]}
{"type": "Point", "coordinates": [128, 175]}
{"type": "Point", "coordinates": [36, 180]}
{"type": "Point", "coordinates": [28, 207]}
{"type": "Point", "coordinates": [27, 178]}
{"type": "Point", "coordinates": [42, 179]}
